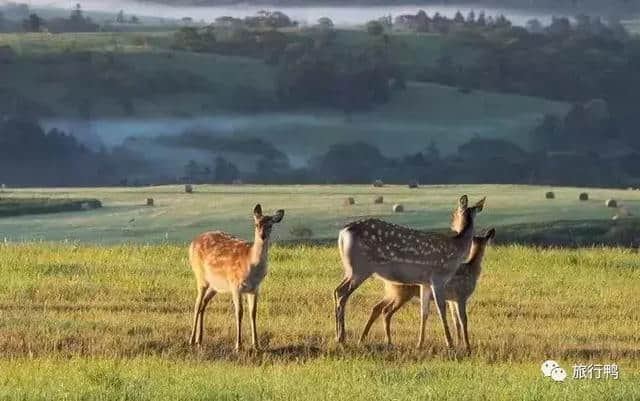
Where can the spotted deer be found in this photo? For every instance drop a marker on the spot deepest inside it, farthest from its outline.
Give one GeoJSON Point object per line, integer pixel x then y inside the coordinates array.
{"type": "Point", "coordinates": [457, 292]}
{"type": "Point", "coordinates": [223, 263]}
{"type": "Point", "coordinates": [404, 256]}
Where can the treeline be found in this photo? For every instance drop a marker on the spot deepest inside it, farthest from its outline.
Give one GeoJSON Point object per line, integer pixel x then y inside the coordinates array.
{"type": "Point", "coordinates": [605, 7]}
{"type": "Point", "coordinates": [31, 157]}
{"type": "Point", "coordinates": [312, 69]}
{"type": "Point", "coordinates": [17, 17]}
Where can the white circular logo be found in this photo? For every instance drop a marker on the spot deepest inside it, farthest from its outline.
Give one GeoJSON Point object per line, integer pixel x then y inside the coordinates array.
{"type": "Point", "coordinates": [558, 374]}
{"type": "Point", "coordinates": [547, 367]}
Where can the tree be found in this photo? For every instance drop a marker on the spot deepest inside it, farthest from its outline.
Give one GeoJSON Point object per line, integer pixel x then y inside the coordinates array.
{"type": "Point", "coordinates": [225, 171]}
{"type": "Point", "coordinates": [375, 28]}
{"type": "Point", "coordinates": [482, 20]}
{"type": "Point", "coordinates": [534, 26]}
{"type": "Point", "coordinates": [458, 18]}
{"type": "Point", "coordinates": [471, 17]}
{"type": "Point", "coordinates": [355, 162]}
{"type": "Point", "coordinates": [134, 20]}
{"type": "Point", "coordinates": [33, 23]}
{"type": "Point", "coordinates": [76, 14]}
{"type": "Point", "coordinates": [325, 22]}
{"type": "Point", "coordinates": [120, 17]}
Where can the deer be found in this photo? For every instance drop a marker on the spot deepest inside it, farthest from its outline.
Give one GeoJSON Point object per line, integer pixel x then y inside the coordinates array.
{"type": "Point", "coordinates": [224, 263]}
{"type": "Point", "coordinates": [404, 256]}
{"type": "Point", "coordinates": [457, 292]}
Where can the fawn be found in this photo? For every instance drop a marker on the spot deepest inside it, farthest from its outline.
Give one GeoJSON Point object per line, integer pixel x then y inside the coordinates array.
{"type": "Point", "coordinates": [223, 263]}
{"type": "Point", "coordinates": [404, 256]}
{"type": "Point", "coordinates": [457, 292]}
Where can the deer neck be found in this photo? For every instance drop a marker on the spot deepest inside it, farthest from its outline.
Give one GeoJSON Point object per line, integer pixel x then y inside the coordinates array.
{"type": "Point", "coordinates": [475, 259]}
{"type": "Point", "coordinates": [259, 250]}
{"type": "Point", "coordinates": [466, 234]}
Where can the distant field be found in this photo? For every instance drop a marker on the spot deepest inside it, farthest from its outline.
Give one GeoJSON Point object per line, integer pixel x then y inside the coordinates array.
{"type": "Point", "coordinates": [28, 206]}
{"type": "Point", "coordinates": [177, 217]}
{"type": "Point", "coordinates": [97, 323]}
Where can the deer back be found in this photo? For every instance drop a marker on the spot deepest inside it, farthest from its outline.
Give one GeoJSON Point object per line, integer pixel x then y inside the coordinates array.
{"type": "Point", "coordinates": [390, 243]}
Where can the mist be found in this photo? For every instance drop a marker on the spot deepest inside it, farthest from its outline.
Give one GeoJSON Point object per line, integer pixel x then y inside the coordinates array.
{"type": "Point", "coordinates": [341, 16]}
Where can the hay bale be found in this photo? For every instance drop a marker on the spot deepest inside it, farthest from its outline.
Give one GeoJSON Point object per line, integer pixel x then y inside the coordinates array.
{"type": "Point", "coordinates": [550, 195]}
{"type": "Point", "coordinates": [237, 182]}
{"type": "Point", "coordinates": [611, 203]}
{"type": "Point", "coordinates": [615, 217]}
{"type": "Point", "coordinates": [378, 200]}
{"type": "Point", "coordinates": [378, 184]}
{"type": "Point", "coordinates": [413, 184]}
{"type": "Point", "coordinates": [188, 188]}
{"type": "Point", "coordinates": [149, 201]}
{"type": "Point", "coordinates": [584, 196]}
{"type": "Point", "coordinates": [349, 201]}
{"type": "Point", "coordinates": [398, 208]}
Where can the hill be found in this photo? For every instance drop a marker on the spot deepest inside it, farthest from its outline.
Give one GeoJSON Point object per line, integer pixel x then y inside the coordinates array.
{"type": "Point", "coordinates": [114, 85]}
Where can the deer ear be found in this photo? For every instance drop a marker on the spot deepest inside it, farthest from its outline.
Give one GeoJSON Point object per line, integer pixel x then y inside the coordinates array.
{"type": "Point", "coordinates": [480, 204]}
{"type": "Point", "coordinates": [277, 218]}
{"type": "Point", "coordinates": [257, 211]}
{"type": "Point", "coordinates": [491, 234]}
{"type": "Point", "coordinates": [463, 202]}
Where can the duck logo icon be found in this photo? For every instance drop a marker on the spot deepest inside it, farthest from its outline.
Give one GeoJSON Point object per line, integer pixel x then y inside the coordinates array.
{"type": "Point", "coordinates": [553, 370]}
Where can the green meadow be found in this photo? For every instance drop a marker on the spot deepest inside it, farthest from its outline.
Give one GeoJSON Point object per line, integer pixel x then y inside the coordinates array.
{"type": "Point", "coordinates": [177, 216]}
{"type": "Point", "coordinates": [84, 322]}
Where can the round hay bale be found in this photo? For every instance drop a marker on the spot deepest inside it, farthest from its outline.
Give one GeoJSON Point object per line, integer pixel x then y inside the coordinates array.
{"type": "Point", "coordinates": [550, 195]}
{"type": "Point", "coordinates": [413, 184]}
{"type": "Point", "coordinates": [611, 203]}
{"type": "Point", "coordinates": [615, 217]}
{"type": "Point", "coordinates": [378, 184]}
{"type": "Point", "coordinates": [398, 208]}
{"type": "Point", "coordinates": [584, 196]}
{"type": "Point", "coordinates": [149, 201]}
{"type": "Point", "coordinates": [349, 201]}
{"type": "Point", "coordinates": [378, 200]}
{"type": "Point", "coordinates": [188, 188]}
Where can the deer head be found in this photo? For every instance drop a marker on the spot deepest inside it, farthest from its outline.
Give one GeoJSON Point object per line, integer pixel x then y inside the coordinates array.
{"type": "Point", "coordinates": [264, 224]}
{"type": "Point", "coordinates": [463, 214]}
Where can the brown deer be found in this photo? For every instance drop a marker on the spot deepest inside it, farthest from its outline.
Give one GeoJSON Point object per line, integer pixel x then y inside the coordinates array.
{"type": "Point", "coordinates": [223, 263]}
{"type": "Point", "coordinates": [404, 256]}
{"type": "Point", "coordinates": [457, 292]}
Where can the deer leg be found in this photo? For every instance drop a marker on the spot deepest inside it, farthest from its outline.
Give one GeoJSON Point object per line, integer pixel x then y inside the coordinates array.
{"type": "Point", "coordinates": [335, 302]}
{"type": "Point", "coordinates": [196, 314]}
{"type": "Point", "coordinates": [462, 317]}
{"type": "Point", "coordinates": [389, 310]}
{"type": "Point", "coordinates": [209, 293]}
{"type": "Point", "coordinates": [237, 303]}
{"type": "Point", "coordinates": [438, 289]}
{"type": "Point", "coordinates": [343, 293]}
{"type": "Point", "coordinates": [375, 313]}
{"type": "Point", "coordinates": [252, 300]}
{"type": "Point", "coordinates": [453, 308]}
{"type": "Point", "coordinates": [425, 300]}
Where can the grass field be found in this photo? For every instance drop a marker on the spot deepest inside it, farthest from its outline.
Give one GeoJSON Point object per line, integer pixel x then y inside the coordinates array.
{"type": "Point", "coordinates": [29, 206]}
{"type": "Point", "coordinates": [177, 217]}
{"type": "Point", "coordinates": [96, 323]}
